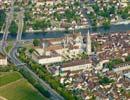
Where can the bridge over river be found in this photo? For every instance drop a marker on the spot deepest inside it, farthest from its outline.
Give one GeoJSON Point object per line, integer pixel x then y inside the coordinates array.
{"type": "Point", "coordinates": [56, 34]}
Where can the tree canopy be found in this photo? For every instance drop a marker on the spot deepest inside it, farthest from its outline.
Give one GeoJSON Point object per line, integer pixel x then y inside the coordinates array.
{"type": "Point", "coordinates": [113, 62]}
{"type": "Point", "coordinates": [127, 58]}
{"type": "Point", "coordinates": [105, 80]}
{"type": "Point", "coordinates": [41, 24]}
{"type": "Point", "coordinates": [36, 42]}
{"type": "Point", "coordinates": [13, 28]}
{"type": "Point", "coordinates": [2, 18]}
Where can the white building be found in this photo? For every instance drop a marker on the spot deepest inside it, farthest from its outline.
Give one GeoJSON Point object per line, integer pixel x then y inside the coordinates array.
{"type": "Point", "coordinates": [75, 66]}
{"type": "Point", "coordinates": [47, 59]}
{"type": "Point", "coordinates": [127, 75]}
{"type": "Point", "coordinates": [3, 60]}
{"type": "Point", "coordinates": [100, 64]}
{"type": "Point", "coordinates": [53, 50]}
{"type": "Point", "coordinates": [122, 67]}
{"type": "Point", "coordinates": [47, 2]}
{"type": "Point", "coordinates": [124, 3]}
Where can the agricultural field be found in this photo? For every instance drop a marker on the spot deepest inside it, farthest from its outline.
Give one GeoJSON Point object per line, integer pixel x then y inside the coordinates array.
{"type": "Point", "coordinates": [9, 77]}
{"type": "Point", "coordinates": [14, 87]}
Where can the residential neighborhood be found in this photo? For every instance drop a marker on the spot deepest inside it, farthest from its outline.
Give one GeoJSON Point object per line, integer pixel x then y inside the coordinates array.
{"type": "Point", "coordinates": [84, 61]}
{"type": "Point", "coordinates": [64, 49]}
{"type": "Point", "coordinates": [67, 15]}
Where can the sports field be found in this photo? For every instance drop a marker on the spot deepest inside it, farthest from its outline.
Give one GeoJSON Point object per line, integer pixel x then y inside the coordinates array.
{"type": "Point", "coordinates": [14, 87]}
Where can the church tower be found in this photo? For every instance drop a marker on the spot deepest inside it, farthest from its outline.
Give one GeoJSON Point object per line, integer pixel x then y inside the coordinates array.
{"type": "Point", "coordinates": [88, 43]}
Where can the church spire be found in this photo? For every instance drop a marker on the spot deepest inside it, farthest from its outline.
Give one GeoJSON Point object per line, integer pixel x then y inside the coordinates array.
{"type": "Point", "coordinates": [88, 43]}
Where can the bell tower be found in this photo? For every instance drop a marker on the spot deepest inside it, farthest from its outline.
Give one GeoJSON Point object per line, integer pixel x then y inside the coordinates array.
{"type": "Point", "coordinates": [88, 43]}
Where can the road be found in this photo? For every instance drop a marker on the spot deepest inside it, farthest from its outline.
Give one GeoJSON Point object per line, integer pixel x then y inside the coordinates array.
{"type": "Point", "coordinates": [17, 62]}
{"type": "Point", "coordinates": [12, 56]}
{"type": "Point", "coordinates": [13, 52]}
{"type": "Point", "coordinates": [20, 24]}
{"type": "Point", "coordinates": [9, 19]}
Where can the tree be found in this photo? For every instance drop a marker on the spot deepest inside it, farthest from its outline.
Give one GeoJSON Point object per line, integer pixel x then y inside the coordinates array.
{"type": "Point", "coordinates": [93, 97]}
{"type": "Point", "coordinates": [113, 62]}
{"type": "Point", "coordinates": [96, 8]}
{"type": "Point", "coordinates": [124, 13]}
{"type": "Point", "coordinates": [42, 90]}
{"type": "Point", "coordinates": [112, 9]}
{"type": "Point", "coordinates": [36, 42]}
{"type": "Point", "coordinates": [41, 24]}
{"type": "Point", "coordinates": [94, 28]}
{"type": "Point", "coordinates": [13, 28]}
{"type": "Point", "coordinates": [104, 14]}
{"type": "Point", "coordinates": [116, 61]}
{"type": "Point", "coordinates": [105, 80]}
{"type": "Point", "coordinates": [76, 3]}
{"type": "Point", "coordinates": [122, 90]}
{"type": "Point", "coordinates": [127, 58]}
{"type": "Point", "coordinates": [106, 24]}
{"type": "Point", "coordinates": [30, 2]}
{"type": "Point", "coordinates": [70, 15]}
{"type": "Point", "coordinates": [95, 45]}
{"type": "Point", "coordinates": [46, 76]}
{"type": "Point", "coordinates": [2, 18]}
{"type": "Point", "coordinates": [57, 16]}
{"type": "Point", "coordinates": [31, 50]}
{"type": "Point", "coordinates": [84, 55]}
{"type": "Point", "coordinates": [109, 66]}
{"type": "Point", "coordinates": [27, 16]}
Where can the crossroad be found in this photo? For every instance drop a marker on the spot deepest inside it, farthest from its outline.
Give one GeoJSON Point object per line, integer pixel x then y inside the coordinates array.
{"type": "Point", "coordinates": [16, 61]}
{"type": "Point", "coordinates": [9, 19]}
{"type": "Point", "coordinates": [12, 55]}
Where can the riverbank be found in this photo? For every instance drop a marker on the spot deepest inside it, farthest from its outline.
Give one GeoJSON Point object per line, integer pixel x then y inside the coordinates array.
{"type": "Point", "coordinates": [56, 34]}
{"type": "Point", "coordinates": [127, 22]}
{"type": "Point", "coordinates": [77, 27]}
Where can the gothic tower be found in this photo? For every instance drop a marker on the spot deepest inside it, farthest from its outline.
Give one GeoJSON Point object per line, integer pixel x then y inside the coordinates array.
{"type": "Point", "coordinates": [88, 43]}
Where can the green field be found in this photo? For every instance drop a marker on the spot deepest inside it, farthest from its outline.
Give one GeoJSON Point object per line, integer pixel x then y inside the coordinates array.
{"type": "Point", "coordinates": [17, 88]}
{"type": "Point", "coordinates": [3, 73]}
{"type": "Point", "coordinates": [9, 77]}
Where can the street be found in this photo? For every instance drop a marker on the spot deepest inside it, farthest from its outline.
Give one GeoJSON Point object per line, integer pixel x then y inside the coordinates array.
{"type": "Point", "coordinates": [12, 55]}
{"type": "Point", "coordinates": [17, 62]}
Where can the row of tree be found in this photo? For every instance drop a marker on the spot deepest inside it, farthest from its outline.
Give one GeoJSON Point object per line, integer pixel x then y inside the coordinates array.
{"type": "Point", "coordinates": [41, 24]}
{"type": "Point", "coordinates": [2, 18]}
{"type": "Point", "coordinates": [105, 80]}
{"type": "Point", "coordinates": [8, 68]}
{"type": "Point", "coordinates": [114, 62]}
{"type": "Point", "coordinates": [13, 28]}
{"type": "Point", "coordinates": [35, 83]}
{"type": "Point", "coordinates": [42, 72]}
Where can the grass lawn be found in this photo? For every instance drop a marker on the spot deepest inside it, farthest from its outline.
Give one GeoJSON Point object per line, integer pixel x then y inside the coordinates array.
{"type": "Point", "coordinates": [18, 88]}
{"type": "Point", "coordinates": [9, 77]}
{"type": "Point", "coordinates": [3, 73]}
{"type": "Point", "coordinates": [8, 48]}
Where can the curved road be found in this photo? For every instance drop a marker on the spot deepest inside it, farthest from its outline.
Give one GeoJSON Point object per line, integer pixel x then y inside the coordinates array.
{"type": "Point", "coordinates": [9, 19]}
{"type": "Point", "coordinates": [13, 58]}
{"type": "Point", "coordinates": [17, 62]}
{"type": "Point", "coordinates": [13, 52]}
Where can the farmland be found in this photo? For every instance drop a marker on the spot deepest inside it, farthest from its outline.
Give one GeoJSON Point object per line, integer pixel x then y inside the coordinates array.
{"type": "Point", "coordinates": [14, 87]}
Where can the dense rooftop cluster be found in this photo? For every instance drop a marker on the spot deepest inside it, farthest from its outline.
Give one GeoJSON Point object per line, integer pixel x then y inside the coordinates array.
{"type": "Point", "coordinates": [91, 66]}
{"type": "Point", "coordinates": [71, 14]}
{"type": "Point", "coordinates": [103, 73]}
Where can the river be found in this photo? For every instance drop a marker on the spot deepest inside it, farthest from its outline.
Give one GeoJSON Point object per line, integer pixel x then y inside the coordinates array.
{"type": "Point", "coordinates": [56, 34]}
